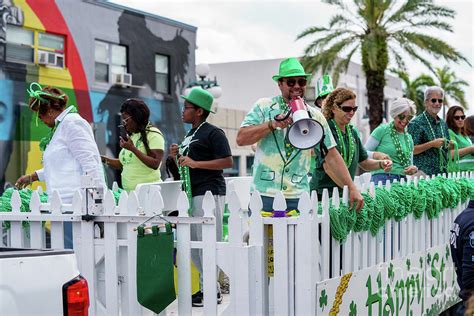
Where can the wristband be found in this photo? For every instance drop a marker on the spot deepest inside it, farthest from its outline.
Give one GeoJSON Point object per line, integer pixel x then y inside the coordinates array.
{"type": "Point", "coordinates": [270, 126]}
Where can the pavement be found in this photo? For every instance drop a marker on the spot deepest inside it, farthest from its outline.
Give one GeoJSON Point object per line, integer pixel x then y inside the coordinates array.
{"type": "Point", "coordinates": [198, 311]}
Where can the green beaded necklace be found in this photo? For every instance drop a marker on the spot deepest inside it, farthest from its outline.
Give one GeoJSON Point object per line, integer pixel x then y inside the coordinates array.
{"type": "Point", "coordinates": [347, 155]}
{"type": "Point", "coordinates": [443, 159]}
{"type": "Point", "coordinates": [403, 154]}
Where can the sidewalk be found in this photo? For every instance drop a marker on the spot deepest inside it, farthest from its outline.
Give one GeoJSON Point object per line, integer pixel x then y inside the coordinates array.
{"type": "Point", "coordinates": [173, 308]}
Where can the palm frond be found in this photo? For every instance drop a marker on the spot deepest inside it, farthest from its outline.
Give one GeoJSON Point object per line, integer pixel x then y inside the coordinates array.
{"type": "Point", "coordinates": [321, 43]}
{"type": "Point", "coordinates": [339, 20]}
{"type": "Point", "coordinates": [311, 31]}
{"type": "Point", "coordinates": [324, 60]}
{"type": "Point", "coordinates": [398, 59]}
{"type": "Point", "coordinates": [343, 64]}
{"type": "Point", "coordinates": [432, 23]}
{"type": "Point", "coordinates": [431, 45]}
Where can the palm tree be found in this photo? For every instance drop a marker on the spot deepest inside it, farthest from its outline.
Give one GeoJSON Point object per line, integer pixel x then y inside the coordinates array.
{"type": "Point", "coordinates": [452, 86]}
{"type": "Point", "coordinates": [414, 89]}
{"type": "Point", "coordinates": [380, 30]}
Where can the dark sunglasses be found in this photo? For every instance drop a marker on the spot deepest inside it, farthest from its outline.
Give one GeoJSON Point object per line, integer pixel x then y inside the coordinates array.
{"type": "Point", "coordinates": [440, 101]}
{"type": "Point", "coordinates": [291, 82]}
{"type": "Point", "coordinates": [459, 117]}
{"type": "Point", "coordinates": [348, 109]}
{"type": "Point", "coordinates": [401, 117]}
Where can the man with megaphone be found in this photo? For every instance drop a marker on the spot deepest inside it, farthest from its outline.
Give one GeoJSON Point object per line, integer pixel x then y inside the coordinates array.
{"type": "Point", "coordinates": [286, 129]}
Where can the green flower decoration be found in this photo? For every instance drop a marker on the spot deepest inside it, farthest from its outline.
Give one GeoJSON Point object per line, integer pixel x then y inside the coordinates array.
{"type": "Point", "coordinates": [391, 274]}
{"type": "Point", "coordinates": [323, 299]}
{"type": "Point", "coordinates": [408, 262]}
{"type": "Point", "coordinates": [353, 309]}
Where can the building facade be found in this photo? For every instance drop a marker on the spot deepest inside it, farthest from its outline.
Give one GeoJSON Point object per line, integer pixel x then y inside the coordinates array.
{"type": "Point", "coordinates": [99, 54]}
{"type": "Point", "coordinates": [243, 83]}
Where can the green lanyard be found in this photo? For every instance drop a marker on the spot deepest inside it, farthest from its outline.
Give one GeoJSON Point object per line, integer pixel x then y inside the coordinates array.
{"type": "Point", "coordinates": [404, 153]}
{"type": "Point", "coordinates": [347, 155]}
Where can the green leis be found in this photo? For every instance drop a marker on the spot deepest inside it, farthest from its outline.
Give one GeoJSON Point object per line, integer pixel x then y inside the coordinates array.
{"type": "Point", "coordinates": [347, 155]}
{"type": "Point", "coordinates": [403, 154]}
{"type": "Point", "coordinates": [429, 197]}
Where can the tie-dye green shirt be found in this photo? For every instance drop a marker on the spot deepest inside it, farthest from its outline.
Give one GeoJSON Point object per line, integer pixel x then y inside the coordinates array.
{"type": "Point", "coordinates": [272, 170]}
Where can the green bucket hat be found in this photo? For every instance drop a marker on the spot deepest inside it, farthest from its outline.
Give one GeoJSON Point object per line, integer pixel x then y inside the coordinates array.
{"type": "Point", "coordinates": [324, 86]}
{"type": "Point", "coordinates": [291, 67]}
{"type": "Point", "coordinates": [200, 97]}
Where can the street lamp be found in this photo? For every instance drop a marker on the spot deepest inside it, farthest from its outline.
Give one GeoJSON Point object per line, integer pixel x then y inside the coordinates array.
{"type": "Point", "coordinates": [202, 70]}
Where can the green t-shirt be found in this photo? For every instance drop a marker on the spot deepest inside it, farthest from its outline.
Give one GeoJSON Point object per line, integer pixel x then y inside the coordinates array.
{"type": "Point", "coordinates": [320, 179]}
{"type": "Point", "coordinates": [134, 170]}
{"type": "Point", "coordinates": [386, 146]}
{"type": "Point", "coordinates": [466, 163]}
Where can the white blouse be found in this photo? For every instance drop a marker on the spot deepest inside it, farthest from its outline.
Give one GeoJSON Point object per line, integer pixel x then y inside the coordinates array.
{"type": "Point", "coordinates": [71, 154]}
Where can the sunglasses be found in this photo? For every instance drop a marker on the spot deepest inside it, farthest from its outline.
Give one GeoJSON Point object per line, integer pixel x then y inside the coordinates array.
{"type": "Point", "coordinates": [459, 117]}
{"type": "Point", "coordinates": [348, 109]}
{"type": "Point", "coordinates": [124, 121]}
{"type": "Point", "coordinates": [401, 117]}
{"type": "Point", "coordinates": [440, 101]}
{"type": "Point", "coordinates": [291, 82]}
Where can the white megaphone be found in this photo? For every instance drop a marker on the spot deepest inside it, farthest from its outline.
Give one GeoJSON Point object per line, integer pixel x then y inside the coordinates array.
{"type": "Point", "coordinates": [305, 132]}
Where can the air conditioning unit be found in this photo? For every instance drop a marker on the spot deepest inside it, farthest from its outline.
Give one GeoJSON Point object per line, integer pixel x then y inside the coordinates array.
{"type": "Point", "coordinates": [123, 79]}
{"type": "Point", "coordinates": [50, 59]}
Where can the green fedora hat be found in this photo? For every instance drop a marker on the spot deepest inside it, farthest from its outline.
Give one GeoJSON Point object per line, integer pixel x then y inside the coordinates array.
{"type": "Point", "coordinates": [200, 97]}
{"type": "Point", "coordinates": [290, 67]}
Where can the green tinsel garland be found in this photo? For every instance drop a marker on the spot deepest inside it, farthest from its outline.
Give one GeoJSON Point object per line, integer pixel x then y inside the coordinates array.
{"type": "Point", "coordinates": [429, 197]}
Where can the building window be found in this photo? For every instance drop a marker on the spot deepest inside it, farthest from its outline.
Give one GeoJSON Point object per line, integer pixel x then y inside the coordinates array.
{"type": "Point", "coordinates": [29, 46]}
{"type": "Point", "coordinates": [249, 161]}
{"type": "Point", "coordinates": [234, 171]}
{"type": "Point", "coordinates": [162, 73]}
{"type": "Point", "coordinates": [110, 60]}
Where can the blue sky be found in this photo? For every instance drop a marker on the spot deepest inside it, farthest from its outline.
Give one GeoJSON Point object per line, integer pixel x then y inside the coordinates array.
{"type": "Point", "coordinates": [241, 30]}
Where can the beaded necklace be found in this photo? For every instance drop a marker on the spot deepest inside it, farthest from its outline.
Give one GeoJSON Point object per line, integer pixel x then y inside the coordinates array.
{"type": "Point", "coordinates": [443, 158]}
{"type": "Point", "coordinates": [184, 170]}
{"type": "Point", "coordinates": [347, 155]}
{"type": "Point", "coordinates": [404, 153]}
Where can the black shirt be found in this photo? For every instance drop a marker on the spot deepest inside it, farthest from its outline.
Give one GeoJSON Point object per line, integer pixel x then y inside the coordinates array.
{"type": "Point", "coordinates": [209, 143]}
{"type": "Point", "coordinates": [462, 250]}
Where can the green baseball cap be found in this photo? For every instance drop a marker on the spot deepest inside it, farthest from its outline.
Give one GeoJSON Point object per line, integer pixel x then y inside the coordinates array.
{"type": "Point", "coordinates": [200, 97]}
{"type": "Point", "coordinates": [290, 67]}
{"type": "Point", "coordinates": [324, 86]}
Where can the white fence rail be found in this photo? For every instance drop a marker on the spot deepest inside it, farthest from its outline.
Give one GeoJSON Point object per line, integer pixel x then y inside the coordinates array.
{"type": "Point", "coordinates": [303, 251]}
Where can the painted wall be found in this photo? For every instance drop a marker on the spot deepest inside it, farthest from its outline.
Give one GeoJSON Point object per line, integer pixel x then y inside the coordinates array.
{"type": "Point", "coordinates": [83, 22]}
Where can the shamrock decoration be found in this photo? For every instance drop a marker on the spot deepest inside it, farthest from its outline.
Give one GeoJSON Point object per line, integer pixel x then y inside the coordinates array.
{"type": "Point", "coordinates": [391, 274]}
{"type": "Point", "coordinates": [353, 309]}
{"type": "Point", "coordinates": [428, 258]}
{"type": "Point", "coordinates": [408, 262]}
{"type": "Point", "coordinates": [323, 299]}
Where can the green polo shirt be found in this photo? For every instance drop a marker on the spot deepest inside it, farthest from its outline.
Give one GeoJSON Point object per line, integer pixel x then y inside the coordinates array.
{"type": "Point", "coordinates": [320, 179]}
{"type": "Point", "coordinates": [386, 146]}
{"type": "Point", "coordinates": [273, 171]}
{"type": "Point", "coordinates": [421, 128]}
{"type": "Point", "coordinates": [466, 163]}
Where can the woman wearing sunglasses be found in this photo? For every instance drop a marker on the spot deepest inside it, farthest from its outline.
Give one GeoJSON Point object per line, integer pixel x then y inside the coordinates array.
{"type": "Point", "coordinates": [142, 146]}
{"type": "Point", "coordinates": [394, 140]}
{"type": "Point", "coordinates": [463, 148]}
{"type": "Point", "coordinates": [339, 108]}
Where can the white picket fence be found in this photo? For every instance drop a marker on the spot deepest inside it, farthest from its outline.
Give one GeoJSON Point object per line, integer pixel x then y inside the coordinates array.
{"type": "Point", "coordinates": [301, 246]}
